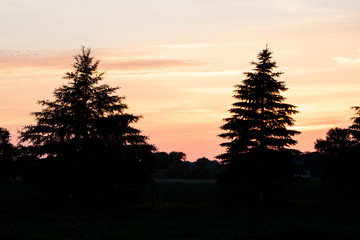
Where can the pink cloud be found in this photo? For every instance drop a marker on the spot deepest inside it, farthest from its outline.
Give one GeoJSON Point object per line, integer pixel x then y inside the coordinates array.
{"type": "Point", "coordinates": [135, 64]}
{"type": "Point", "coordinates": [10, 59]}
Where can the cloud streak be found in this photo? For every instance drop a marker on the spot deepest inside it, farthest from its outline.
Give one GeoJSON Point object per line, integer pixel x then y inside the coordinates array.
{"type": "Point", "coordinates": [26, 54]}
{"type": "Point", "coordinates": [346, 60]}
{"type": "Point", "coordinates": [138, 64]}
{"type": "Point", "coordinates": [16, 60]}
{"type": "Point", "coordinates": [205, 73]}
{"type": "Point", "coordinates": [190, 45]}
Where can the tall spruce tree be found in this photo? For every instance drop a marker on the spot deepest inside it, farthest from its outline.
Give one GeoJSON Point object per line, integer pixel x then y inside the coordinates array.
{"type": "Point", "coordinates": [258, 154]}
{"type": "Point", "coordinates": [84, 141]}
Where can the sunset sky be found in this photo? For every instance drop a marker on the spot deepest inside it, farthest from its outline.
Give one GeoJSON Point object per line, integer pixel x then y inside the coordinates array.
{"type": "Point", "coordinates": [177, 61]}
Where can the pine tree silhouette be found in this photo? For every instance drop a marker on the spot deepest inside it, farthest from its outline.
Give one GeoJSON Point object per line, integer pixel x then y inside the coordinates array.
{"type": "Point", "coordinates": [258, 154]}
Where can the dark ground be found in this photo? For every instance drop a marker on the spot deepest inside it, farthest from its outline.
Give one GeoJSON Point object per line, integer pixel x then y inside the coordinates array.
{"type": "Point", "coordinates": [183, 210]}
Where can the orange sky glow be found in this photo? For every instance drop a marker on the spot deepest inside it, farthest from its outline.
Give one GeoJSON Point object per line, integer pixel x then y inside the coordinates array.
{"type": "Point", "coordinates": [177, 61]}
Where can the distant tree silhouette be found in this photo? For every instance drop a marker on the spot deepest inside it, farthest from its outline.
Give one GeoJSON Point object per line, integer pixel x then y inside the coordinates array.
{"type": "Point", "coordinates": [258, 158]}
{"type": "Point", "coordinates": [177, 156]}
{"type": "Point", "coordinates": [84, 139]}
{"type": "Point", "coordinates": [338, 158]}
{"type": "Point", "coordinates": [355, 127]}
{"type": "Point", "coordinates": [352, 177]}
{"type": "Point", "coordinates": [173, 165]}
{"type": "Point", "coordinates": [162, 161]}
{"type": "Point", "coordinates": [337, 140]}
{"type": "Point", "coordinates": [6, 156]}
{"type": "Point", "coordinates": [24, 162]}
{"type": "Point", "coordinates": [332, 150]}
{"type": "Point", "coordinates": [205, 168]}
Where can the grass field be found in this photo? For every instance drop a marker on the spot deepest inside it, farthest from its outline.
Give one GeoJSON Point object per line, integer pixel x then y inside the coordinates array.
{"type": "Point", "coordinates": [183, 210]}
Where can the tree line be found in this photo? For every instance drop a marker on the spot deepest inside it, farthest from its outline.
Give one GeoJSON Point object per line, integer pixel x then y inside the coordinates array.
{"type": "Point", "coordinates": [84, 148]}
{"type": "Point", "coordinates": [339, 153]}
{"type": "Point", "coordinates": [173, 165]}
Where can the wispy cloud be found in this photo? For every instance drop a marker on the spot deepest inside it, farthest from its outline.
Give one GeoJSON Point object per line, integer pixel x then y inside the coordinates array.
{"type": "Point", "coordinates": [194, 133]}
{"type": "Point", "coordinates": [236, 44]}
{"type": "Point", "coordinates": [9, 54]}
{"type": "Point", "coordinates": [285, 51]}
{"type": "Point", "coordinates": [326, 123]}
{"type": "Point", "coordinates": [11, 60]}
{"type": "Point", "coordinates": [303, 71]}
{"type": "Point", "coordinates": [321, 89]}
{"type": "Point", "coordinates": [189, 45]}
{"type": "Point", "coordinates": [217, 90]}
{"type": "Point", "coordinates": [135, 64]}
{"type": "Point", "coordinates": [346, 60]}
{"type": "Point", "coordinates": [205, 73]}
{"type": "Point", "coordinates": [313, 127]}
{"type": "Point", "coordinates": [301, 6]}
{"type": "Point", "coordinates": [18, 60]}
{"type": "Point", "coordinates": [290, 6]}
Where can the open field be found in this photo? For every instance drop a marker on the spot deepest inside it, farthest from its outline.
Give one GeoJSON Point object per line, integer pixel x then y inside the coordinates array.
{"type": "Point", "coordinates": [183, 210]}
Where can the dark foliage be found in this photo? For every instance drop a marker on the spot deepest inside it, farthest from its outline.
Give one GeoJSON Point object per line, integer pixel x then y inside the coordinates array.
{"type": "Point", "coordinates": [355, 127]}
{"type": "Point", "coordinates": [173, 165]}
{"type": "Point", "coordinates": [333, 150]}
{"type": "Point", "coordinates": [6, 156]}
{"type": "Point", "coordinates": [85, 146]}
{"type": "Point", "coordinates": [204, 168]}
{"type": "Point", "coordinates": [258, 158]}
{"type": "Point", "coordinates": [308, 161]}
{"type": "Point", "coordinates": [338, 154]}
